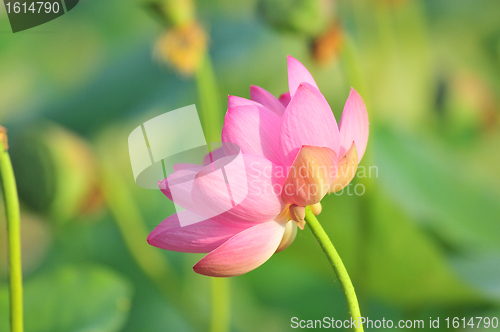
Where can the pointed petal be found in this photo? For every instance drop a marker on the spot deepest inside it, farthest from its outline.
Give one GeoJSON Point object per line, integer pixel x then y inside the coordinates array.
{"type": "Point", "coordinates": [288, 236]}
{"type": "Point", "coordinates": [234, 101]}
{"type": "Point", "coordinates": [200, 237]}
{"type": "Point", "coordinates": [250, 195]}
{"type": "Point", "coordinates": [347, 167]}
{"type": "Point", "coordinates": [285, 99]}
{"type": "Point", "coordinates": [354, 125]}
{"type": "Point", "coordinates": [308, 120]}
{"type": "Point", "coordinates": [298, 74]}
{"type": "Point", "coordinates": [311, 176]}
{"type": "Point", "coordinates": [265, 98]}
{"type": "Point", "coordinates": [301, 224]}
{"type": "Point", "coordinates": [254, 130]}
{"type": "Point", "coordinates": [243, 252]}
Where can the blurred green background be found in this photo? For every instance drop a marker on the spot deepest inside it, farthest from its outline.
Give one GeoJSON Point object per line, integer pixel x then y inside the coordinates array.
{"type": "Point", "coordinates": [423, 241]}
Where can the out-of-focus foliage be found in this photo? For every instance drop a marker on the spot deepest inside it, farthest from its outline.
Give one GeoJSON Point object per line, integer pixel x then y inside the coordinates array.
{"type": "Point", "coordinates": [306, 17]}
{"type": "Point", "coordinates": [58, 171]}
{"type": "Point", "coordinates": [422, 241]}
{"type": "Point", "coordinates": [83, 298]}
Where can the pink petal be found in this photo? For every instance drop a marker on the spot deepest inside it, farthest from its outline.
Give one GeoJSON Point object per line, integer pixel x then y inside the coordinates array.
{"type": "Point", "coordinates": [308, 120]}
{"type": "Point", "coordinates": [354, 125]}
{"type": "Point", "coordinates": [347, 167]}
{"type": "Point", "coordinates": [285, 99]}
{"type": "Point", "coordinates": [298, 74]}
{"type": "Point", "coordinates": [178, 187]}
{"type": "Point", "coordinates": [243, 252]}
{"type": "Point", "coordinates": [288, 236]}
{"type": "Point", "coordinates": [187, 166]}
{"type": "Point", "coordinates": [258, 187]}
{"type": "Point", "coordinates": [201, 237]}
{"type": "Point", "coordinates": [265, 98]}
{"type": "Point", "coordinates": [213, 156]}
{"type": "Point", "coordinates": [254, 130]}
{"type": "Point", "coordinates": [310, 177]}
{"type": "Point", "coordinates": [234, 101]}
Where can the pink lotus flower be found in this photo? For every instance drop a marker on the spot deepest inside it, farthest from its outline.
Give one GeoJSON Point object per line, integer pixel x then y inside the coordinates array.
{"type": "Point", "coordinates": [294, 154]}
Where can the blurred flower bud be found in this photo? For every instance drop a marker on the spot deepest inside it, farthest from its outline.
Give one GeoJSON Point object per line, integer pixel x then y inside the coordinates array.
{"type": "Point", "coordinates": [183, 47]}
{"type": "Point", "coordinates": [55, 170]}
{"type": "Point", "coordinates": [304, 17]}
{"type": "Point", "coordinates": [475, 105]}
{"type": "Point", "coordinates": [36, 238]}
{"type": "Point", "coordinates": [327, 47]}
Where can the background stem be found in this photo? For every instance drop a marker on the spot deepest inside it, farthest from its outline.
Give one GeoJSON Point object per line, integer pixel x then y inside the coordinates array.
{"type": "Point", "coordinates": [14, 236]}
{"type": "Point", "coordinates": [210, 107]}
{"type": "Point", "coordinates": [210, 110]}
{"type": "Point", "coordinates": [337, 264]}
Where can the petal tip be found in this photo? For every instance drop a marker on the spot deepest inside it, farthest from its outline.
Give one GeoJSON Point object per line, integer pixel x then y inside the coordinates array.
{"type": "Point", "coordinates": [354, 92]}
{"type": "Point", "coordinates": [201, 271]}
{"type": "Point", "coordinates": [151, 238]}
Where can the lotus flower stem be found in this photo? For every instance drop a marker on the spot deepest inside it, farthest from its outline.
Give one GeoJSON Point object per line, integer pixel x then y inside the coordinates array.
{"type": "Point", "coordinates": [14, 237]}
{"type": "Point", "coordinates": [220, 305]}
{"type": "Point", "coordinates": [338, 266]}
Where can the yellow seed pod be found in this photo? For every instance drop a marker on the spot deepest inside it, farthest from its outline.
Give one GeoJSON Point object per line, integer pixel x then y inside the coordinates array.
{"type": "Point", "coordinates": [183, 47]}
{"type": "Point", "coordinates": [327, 47]}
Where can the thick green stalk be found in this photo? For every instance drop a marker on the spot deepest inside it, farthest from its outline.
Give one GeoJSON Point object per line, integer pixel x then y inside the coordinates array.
{"type": "Point", "coordinates": [220, 305]}
{"type": "Point", "coordinates": [14, 236]}
{"type": "Point", "coordinates": [338, 267]}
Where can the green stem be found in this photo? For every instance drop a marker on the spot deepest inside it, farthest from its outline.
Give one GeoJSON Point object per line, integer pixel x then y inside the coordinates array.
{"type": "Point", "coordinates": [210, 108]}
{"type": "Point", "coordinates": [14, 236]}
{"type": "Point", "coordinates": [220, 305]}
{"type": "Point", "coordinates": [338, 267]}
